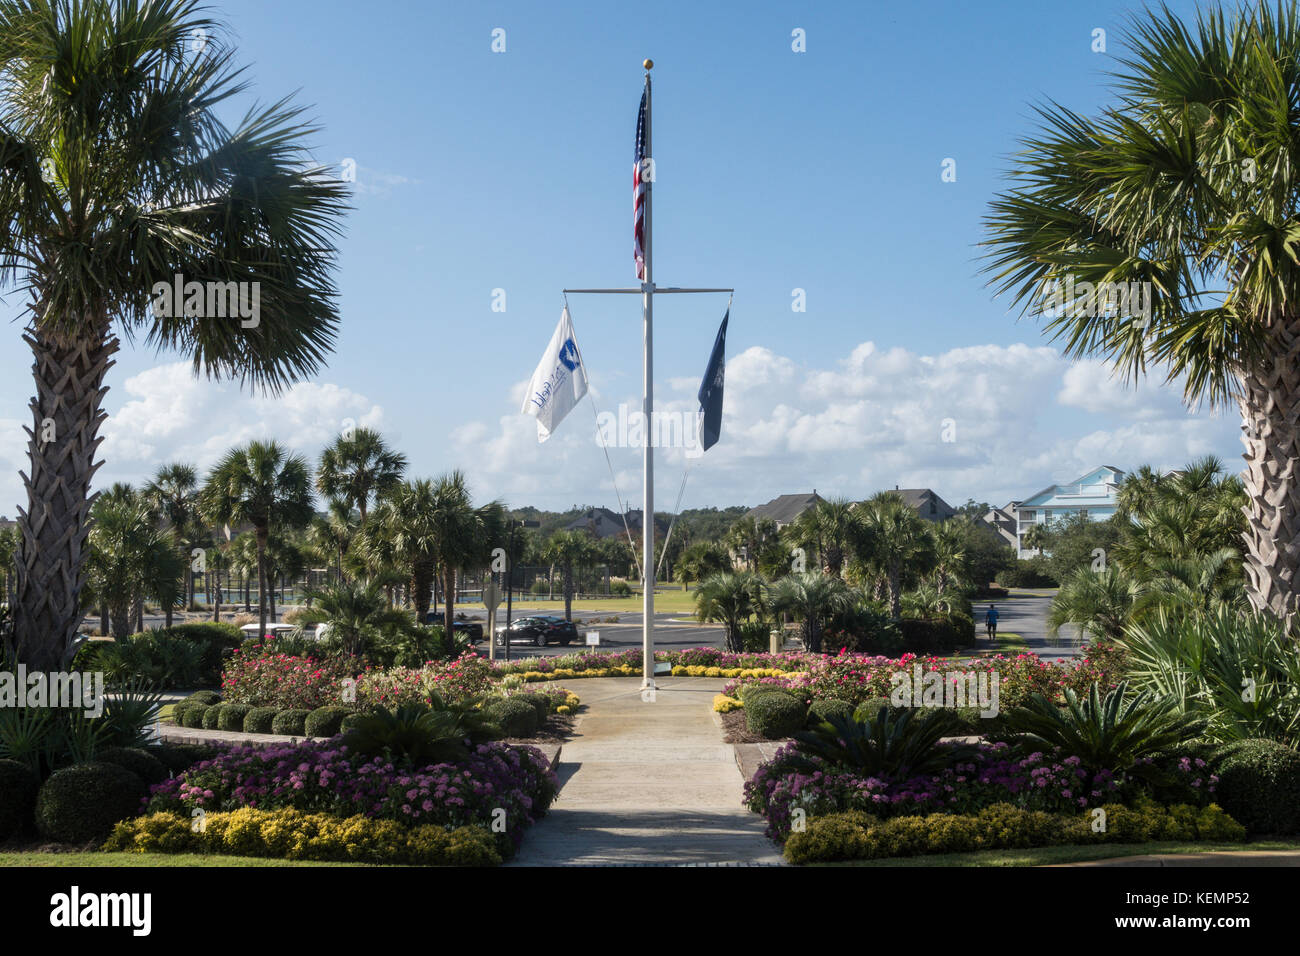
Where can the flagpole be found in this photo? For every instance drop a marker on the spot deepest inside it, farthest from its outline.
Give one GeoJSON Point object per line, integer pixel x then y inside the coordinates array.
{"type": "Point", "coordinates": [647, 408]}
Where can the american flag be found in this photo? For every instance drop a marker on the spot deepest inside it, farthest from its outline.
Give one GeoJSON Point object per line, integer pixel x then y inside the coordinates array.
{"type": "Point", "coordinates": [638, 195]}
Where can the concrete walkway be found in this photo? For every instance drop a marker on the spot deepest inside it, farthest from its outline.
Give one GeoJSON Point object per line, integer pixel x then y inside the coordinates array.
{"type": "Point", "coordinates": [647, 782]}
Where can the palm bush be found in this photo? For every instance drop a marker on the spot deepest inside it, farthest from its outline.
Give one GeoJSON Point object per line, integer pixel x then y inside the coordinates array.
{"type": "Point", "coordinates": [732, 599]}
{"type": "Point", "coordinates": [896, 744]}
{"type": "Point", "coordinates": [1108, 733]}
{"type": "Point", "coordinates": [420, 734]}
{"type": "Point", "coordinates": [357, 617]}
{"type": "Point", "coordinates": [1239, 672]}
{"type": "Point", "coordinates": [814, 598]}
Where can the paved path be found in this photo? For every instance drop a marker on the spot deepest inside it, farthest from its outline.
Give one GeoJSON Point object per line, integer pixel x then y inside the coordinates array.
{"type": "Point", "coordinates": [1025, 613]}
{"type": "Point", "coordinates": [648, 782]}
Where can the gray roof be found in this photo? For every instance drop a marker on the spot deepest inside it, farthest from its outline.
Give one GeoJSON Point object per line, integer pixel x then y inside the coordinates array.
{"type": "Point", "coordinates": [920, 498]}
{"type": "Point", "coordinates": [785, 508]}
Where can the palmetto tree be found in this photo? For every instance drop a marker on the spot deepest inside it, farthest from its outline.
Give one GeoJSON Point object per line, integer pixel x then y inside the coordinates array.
{"type": "Point", "coordinates": [1099, 602]}
{"type": "Point", "coordinates": [898, 542]}
{"type": "Point", "coordinates": [730, 599]}
{"type": "Point", "coordinates": [331, 535]}
{"type": "Point", "coordinates": [813, 597]}
{"type": "Point", "coordinates": [826, 529]}
{"type": "Point", "coordinates": [262, 486]}
{"type": "Point", "coordinates": [755, 539]}
{"type": "Point", "coordinates": [359, 468]}
{"type": "Point", "coordinates": [569, 549]}
{"type": "Point", "coordinates": [173, 493]}
{"type": "Point", "coordinates": [116, 175]}
{"type": "Point", "coordinates": [357, 614]}
{"type": "Point", "coordinates": [131, 558]}
{"type": "Point", "coordinates": [949, 569]}
{"type": "Point", "coordinates": [1189, 182]}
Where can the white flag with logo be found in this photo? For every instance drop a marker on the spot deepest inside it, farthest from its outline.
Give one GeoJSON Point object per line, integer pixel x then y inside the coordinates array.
{"type": "Point", "coordinates": [559, 382]}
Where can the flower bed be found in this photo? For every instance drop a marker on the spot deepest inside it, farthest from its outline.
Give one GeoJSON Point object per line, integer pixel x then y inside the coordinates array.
{"type": "Point", "coordinates": [284, 681]}
{"type": "Point", "coordinates": [454, 681]}
{"type": "Point", "coordinates": [323, 777]}
{"type": "Point", "coordinates": [991, 776]}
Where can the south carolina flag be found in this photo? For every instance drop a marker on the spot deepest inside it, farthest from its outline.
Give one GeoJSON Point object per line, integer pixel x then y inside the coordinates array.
{"type": "Point", "coordinates": [559, 382]}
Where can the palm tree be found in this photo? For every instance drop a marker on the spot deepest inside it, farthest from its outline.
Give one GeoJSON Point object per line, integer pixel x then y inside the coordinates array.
{"type": "Point", "coordinates": [730, 598]}
{"type": "Point", "coordinates": [700, 560]}
{"type": "Point", "coordinates": [359, 468]}
{"type": "Point", "coordinates": [950, 554]}
{"type": "Point", "coordinates": [117, 176]}
{"type": "Point", "coordinates": [1100, 602]}
{"type": "Point", "coordinates": [825, 529]}
{"type": "Point", "coordinates": [568, 549]}
{"type": "Point", "coordinates": [815, 598]}
{"type": "Point", "coordinates": [1035, 537]}
{"type": "Point", "coordinates": [173, 493]}
{"type": "Point", "coordinates": [356, 614]}
{"type": "Point", "coordinates": [754, 538]}
{"type": "Point", "coordinates": [131, 558]}
{"type": "Point", "coordinates": [259, 485]}
{"type": "Point", "coordinates": [331, 535]}
{"type": "Point", "coordinates": [1188, 184]}
{"type": "Point", "coordinates": [900, 542]}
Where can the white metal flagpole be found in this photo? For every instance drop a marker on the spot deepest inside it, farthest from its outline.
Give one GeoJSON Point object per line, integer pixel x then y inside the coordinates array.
{"type": "Point", "coordinates": [647, 408]}
{"type": "Point", "coordinates": [647, 292]}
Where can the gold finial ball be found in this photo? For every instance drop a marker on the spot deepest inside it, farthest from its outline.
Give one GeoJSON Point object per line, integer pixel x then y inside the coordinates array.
{"type": "Point", "coordinates": [649, 64]}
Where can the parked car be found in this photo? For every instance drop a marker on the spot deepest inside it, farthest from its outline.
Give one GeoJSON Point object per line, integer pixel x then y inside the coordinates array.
{"type": "Point", "coordinates": [272, 630]}
{"type": "Point", "coordinates": [539, 630]}
{"type": "Point", "coordinates": [471, 629]}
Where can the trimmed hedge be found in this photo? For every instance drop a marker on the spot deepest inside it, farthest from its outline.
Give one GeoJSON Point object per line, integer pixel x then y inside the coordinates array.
{"type": "Point", "coordinates": [294, 835]}
{"type": "Point", "coordinates": [516, 718]}
{"type": "Point", "coordinates": [18, 789]}
{"type": "Point", "coordinates": [258, 720]}
{"type": "Point", "coordinates": [856, 835]}
{"type": "Point", "coordinates": [212, 715]}
{"type": "Point", "coordinates": [291, 723]}
{"type": "Point", "coordinates": [325, 721]}
{"type": "Point", "coordinates": [232, 716]}
{"type": "Point", "coordinates": [140, 762]}
{"type": "Point", "coordinates": [775, 715]}
{"type": "Point", "coordinates": [350, 721]}
{"type": "Point", "coordinates": [82, 803]}
{"type": "Point", "coordinates": [205, 697]}
{"type": "Point", "coordinates": [1259, 784]}
{"type": "Point", "coordinates": [748, 692]}
{"type": "Point", "coordinates": [194, 715]}
{"type": "Point", "coordinates": [821, 710]}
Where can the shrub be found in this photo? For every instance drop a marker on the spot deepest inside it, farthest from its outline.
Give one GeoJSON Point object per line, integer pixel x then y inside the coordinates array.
{"type": "Point", "coordinates": [325, 721]}
{"type": "Point", "coordinates": [750, 692]}
{"type": "Point", "coordinates": [178, 758]}
{"type": "Point", "coordinates": [350, 722]}
{"type": "Point", "coordinates": [18, 789]}
{"type": "Point", "coordinates": [140, 762]}
{"type": "Point", "coordinates": [194, 715]}
{"type": "Point", "coordinates": [540, 702]}
{"type": "Point", "coordinates": [82, 802]}
{"type": "Point", "coordinates": [263, 678]}
{"type": "Point", "coordinates": [205, 697]}
{"type": "Point", "coordinates": [291, 723]}
{"type": "Point", "coordinates": [231, 717]}
{"type": "Point", "coordinates": [294, 835]}
{"type": "Point", "coordinates": [821, 710]}
{"type": "Point", "coordinates": [517, 718]}
{"type": "Point", "coordinates": [259, 719]}
{"type": "Point", "coordinates": [1026, 574]}
{"type": "Point", "coordinates": [1259, 785]}
{"type": "Point", "coordinates": [212, 715]}
{"type": "Point", "coordinates": [941, 634]}
{"type": "Point", "coordinates": [774, 715]}
{"type": "Point", "coordinates": [620, 589]}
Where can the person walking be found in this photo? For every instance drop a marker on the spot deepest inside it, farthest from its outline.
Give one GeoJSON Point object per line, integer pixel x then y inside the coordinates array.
{"type": "Point", "coordinates": [991, 622]}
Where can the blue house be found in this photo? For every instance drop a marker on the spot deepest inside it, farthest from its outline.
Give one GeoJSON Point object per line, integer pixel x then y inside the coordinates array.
{"type": "Point", "coordinates": [1093, 495]}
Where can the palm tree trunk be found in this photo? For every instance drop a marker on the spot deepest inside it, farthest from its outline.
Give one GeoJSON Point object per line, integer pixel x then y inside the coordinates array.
{"type": "Point", "coordinates": [568, 592]}
{"type": "Point", "coordinates": [1270, 406]}
{"type": "Point", "coordinates": [216, 598]}
{"type": "Point", "coordinates": [50, 569]}
{"type": "Point", "coordinates": [895, 592]}
{"type": "Point", "coordinates": [261, 582]}
{"type": "Point", "coordinates": [449, 600]}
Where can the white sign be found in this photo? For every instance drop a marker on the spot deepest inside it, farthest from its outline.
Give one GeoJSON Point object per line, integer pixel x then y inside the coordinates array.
{"type": "Point", "coordinates": [593, 638]}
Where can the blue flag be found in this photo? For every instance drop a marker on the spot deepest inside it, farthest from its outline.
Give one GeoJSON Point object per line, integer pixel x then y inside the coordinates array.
{"type": "Point", "coordinates": [711, 388]}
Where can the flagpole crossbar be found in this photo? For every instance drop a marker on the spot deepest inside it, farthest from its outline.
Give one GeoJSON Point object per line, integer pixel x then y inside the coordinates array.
{"type": "Point", "coordinates": [663, 291]}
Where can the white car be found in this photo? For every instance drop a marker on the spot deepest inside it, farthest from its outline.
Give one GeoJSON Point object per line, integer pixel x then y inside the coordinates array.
{"type": "Point", "coordinates": [272, 630]}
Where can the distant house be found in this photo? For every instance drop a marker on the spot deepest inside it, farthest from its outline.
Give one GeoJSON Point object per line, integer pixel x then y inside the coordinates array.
{"type": "Point", "coordinates": [1003, 522]}
{"type": "Point", "coordinates": [604, 523]}
{"type": "Point", "coordinates": [926, 503]}
{"type": "Point", "coordinates": [1093, 495]}
{"type": "Point", "coordinates": [784, 509]}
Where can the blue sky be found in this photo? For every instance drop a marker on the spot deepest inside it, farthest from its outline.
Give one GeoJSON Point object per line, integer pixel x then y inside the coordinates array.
{"type": "Point", "coordinates": [776, 170]}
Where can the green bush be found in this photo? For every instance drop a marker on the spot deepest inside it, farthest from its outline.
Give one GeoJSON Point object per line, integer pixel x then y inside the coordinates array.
{"type": "Point", "coordinates": [18, 789]}
{"type": "Point", "coordinates": [325, 721]}
{"type": "Point", "coordinates": [1026, 574]}
{"type": "Point", "coordinates": [540, 702]}
{"type": "Point", "coordinates": [295, 835]}
{"type": "Point", "coordinates": [140, 762]}
{"type": "Point", "coordinates": [516, 718]}
{"type": "Point", "coordinates": [821, 709]}
{"type": "Point", "coordinates": [291, 723]}
{"type": "Point", "coordinates": [775, 716]}
{"type": "Point", "coordinates": [350, 721]}
{"type": "Point", "coordinates": [620, 589]}
{"type": "Point", "coordinates": [212, 715]}
{"type": "Point", "coordinates": [82, 803]}
{"type": "Point", "coordinates": [259, 719]}
{"type": "Point", "coordinates": [205, 697]}
{"type": "Point", "coordinates": [749, 692]}
{"type": "Point", "coordinates": [178, 758]}
{"type": "Point", "coordinates": [194, 715]}
{"type": "Point", "coordinates": [232, 717]}
{"type": "Point", "coordinates": [1259, 785]}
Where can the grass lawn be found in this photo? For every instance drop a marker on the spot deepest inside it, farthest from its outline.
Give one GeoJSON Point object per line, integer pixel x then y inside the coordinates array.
{"type": "Point", "coordinates": [674, 601]}
{"type": "Point", "coordinates": [1007, 643]}
{"type": "Point", "coordinates": [1044, 856]}
{"type": "Point", "coordinates": [148, 859]}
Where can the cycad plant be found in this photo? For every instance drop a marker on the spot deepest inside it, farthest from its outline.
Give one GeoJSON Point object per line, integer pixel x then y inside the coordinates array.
{"type": "Point", "coordinates": [417, 735]}
{"type": "Point", "coordinates": [896, 744]}
{"type": "Point", "coordinates": [119, 178]}
{"type": "Point", "coordinates": [730, 599]}
{"type": "Point", "coordinates": [814, 598]}
{"type": "Point", "coordinates": [1161, 232]}
{"type": "Point", "coordinates": [1105, 733]}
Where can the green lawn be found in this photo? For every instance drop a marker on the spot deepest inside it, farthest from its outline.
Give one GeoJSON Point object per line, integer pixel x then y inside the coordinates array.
{"type": "Point", "coordinates": [1007, 643]}
{"type": "Point", "coordinates": [1045, 856]}
{"type": "Point", "coordinates": [674, 600]}
{"type": "Point", "coordinates": [147, 859]}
